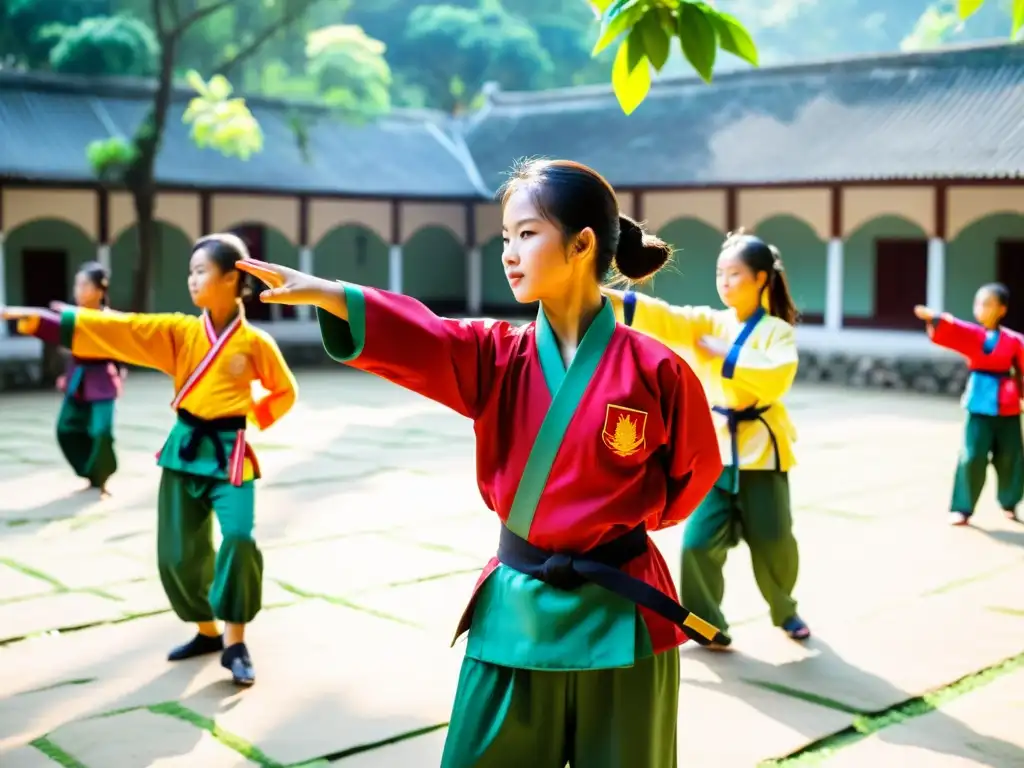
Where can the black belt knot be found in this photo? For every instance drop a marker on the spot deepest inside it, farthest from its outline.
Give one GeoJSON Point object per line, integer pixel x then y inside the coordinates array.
{"type": "Point", "coordinates": [207, 429]}
{"type": "Point", "coordinates": [559, 571]}
{"type": "Point", "coordinates": [602, 565]}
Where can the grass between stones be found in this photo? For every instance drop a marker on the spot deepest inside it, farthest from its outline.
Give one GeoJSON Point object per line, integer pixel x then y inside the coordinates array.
{"type": "Point", "coordinates": [867, 723]}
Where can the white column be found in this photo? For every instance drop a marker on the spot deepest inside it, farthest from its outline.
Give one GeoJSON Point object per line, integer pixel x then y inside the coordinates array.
{"type": "Point", "coordinates": [474, 282]}
{"type": "Point", "coordinates": [834, 285]}
{"type": "Point", "coordinates": [395, 269]}
{"type": "Point", "coordinates": [3, 287]}
{"type": "Point", "coordinates": [304, 312]}
{"type": "Point", "coordinates": [103, 255]}
{"type": "Point", "coordinates": [936, 291]}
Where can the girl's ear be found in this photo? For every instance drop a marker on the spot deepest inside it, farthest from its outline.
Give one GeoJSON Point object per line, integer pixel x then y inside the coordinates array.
{"type": "Point", "coordinates": [585, 242]}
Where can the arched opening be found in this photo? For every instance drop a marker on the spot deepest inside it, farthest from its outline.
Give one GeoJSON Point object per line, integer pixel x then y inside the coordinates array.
{"type": "Point", "coordinates": [40, 260]}
{"type": "Point", "coordinates": [804, 256]}
{"type": "Point", "coordinates": [690, 277]}
{"type": "Point", "coordinates": [991, 248]}
{"type": "Point", "coordinates": [170, 279]}
{"type": "Point", "coordinates": [354, 253]}
{"type": "Point", "coordinates": [267, 243]}
{"type": "Point", "coordinates": [434, 269]}
{"type": "Point", "coordinates": [885, 273]}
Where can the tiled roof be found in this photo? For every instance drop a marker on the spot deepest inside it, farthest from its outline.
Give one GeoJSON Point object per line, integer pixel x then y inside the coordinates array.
{"type": "Point", "coordinates": [955, 113]}
{"type": "Point", "coordinates": [47, 122]}
{"type": "Point", "coordinates": [952, 113]}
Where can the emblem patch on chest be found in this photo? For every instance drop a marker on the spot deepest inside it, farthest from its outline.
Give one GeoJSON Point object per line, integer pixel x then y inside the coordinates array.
{"type": "Point", "coordinates": [624, 430]}
{"type": "Point", "coordinates": [236, 365]}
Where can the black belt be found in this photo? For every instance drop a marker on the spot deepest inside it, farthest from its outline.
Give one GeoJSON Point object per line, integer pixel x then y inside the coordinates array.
{"type": "Point", "coordinates": [994, 374]}
{"type": "Point", "coordinates": [736, 417]}
{"type": "Point", "coordinates": [208, 429]}
{"type": "Point", "coordinates": [602, 566]}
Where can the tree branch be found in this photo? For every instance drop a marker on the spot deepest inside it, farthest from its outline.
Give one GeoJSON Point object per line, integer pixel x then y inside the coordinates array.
{"type": "Point", "coordinates": [198, 15]}
{"type": "Point", "coordinates": [288, 18]}
{"type": "Point", "coordinates": [156, 7]}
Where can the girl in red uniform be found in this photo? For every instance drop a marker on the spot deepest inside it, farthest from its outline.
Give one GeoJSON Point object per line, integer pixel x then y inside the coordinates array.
{"type": "Point", "coordinates": [590, 435]}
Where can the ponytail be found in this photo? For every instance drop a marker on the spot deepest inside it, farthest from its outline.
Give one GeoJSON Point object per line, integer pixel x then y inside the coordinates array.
{"type": "Point", "coordinates": [780, 300]}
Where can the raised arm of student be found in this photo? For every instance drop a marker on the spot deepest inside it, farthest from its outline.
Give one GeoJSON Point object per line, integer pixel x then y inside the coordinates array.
{"type": "Point", "coordinates": [673, 326]}
{"type": "Point", "coordinates": [148, 341]}
{"type": "Point", "coordinates": [454, 362]}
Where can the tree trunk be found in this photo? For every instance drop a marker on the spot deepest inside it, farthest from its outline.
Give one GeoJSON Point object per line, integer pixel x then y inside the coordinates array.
{"type": "Point", "coordinates": [148, 264]}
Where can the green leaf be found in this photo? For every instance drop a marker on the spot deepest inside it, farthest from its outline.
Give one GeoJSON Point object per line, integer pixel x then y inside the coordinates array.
{"type": "Point", "coordinates": [1018, 18]}
{"type": "Point", "coordinates": [622, 15]}
{"type": "Point", "coordinates": [732, 36]}
{"type": "Point", "coordinates": [698, 38]}
{"type": "Point", "coordinates": [631, 84]}
{"type": "Point", "coordinates": [967, 8]}
{"type": "Point", "coordinates": [220, 88]}
{"type": "Point", "coordinates": [600, 6]}
{"type": "Point", "coordinates": [654, 39]}
{"type": "Point", "coordinates": [195, 80]}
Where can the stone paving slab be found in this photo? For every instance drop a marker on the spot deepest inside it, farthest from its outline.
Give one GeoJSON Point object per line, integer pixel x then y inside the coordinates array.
{"type": "Point", "coordinates": [981, 729]}
{"type": "Point", "coordinates": [26, 757]}
{"type": "Point", "coordinates": [143, 739]}
{"type": "Point", "coordinates": [875, 663]}
{"type": "Point", "coordinates": [332, 680]}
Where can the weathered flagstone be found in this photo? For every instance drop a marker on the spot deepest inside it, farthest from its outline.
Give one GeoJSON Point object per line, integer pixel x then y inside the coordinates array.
{"type": "Point", "coordinates": [25, 757]}
{"type": "Point", "coordinates": [332, 679]}
{"type": "Point", "coordinates": [70, 609]}
{"type": "Point", "coordinates": [982, 728]}
{"type": "Point", "coordinates": [723, 722]}
{"type": "Point", "coordinates": [877, 662]}
{"type": "Point", "coordinates": [14, 583]}
{"type": "Point", "coordinates": [143, 738]}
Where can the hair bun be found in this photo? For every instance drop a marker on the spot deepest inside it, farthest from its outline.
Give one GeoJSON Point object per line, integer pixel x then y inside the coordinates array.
{"type": "Point", "coordinates": [639, 254]}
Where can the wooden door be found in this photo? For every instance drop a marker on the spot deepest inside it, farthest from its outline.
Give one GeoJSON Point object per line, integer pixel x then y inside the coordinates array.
{"type": "Point", "coordinates": [44, 278]}
{"type": "Point", "coordinates": [1010, 272]}
{"type": "Point", "coordinates": [901, 281]}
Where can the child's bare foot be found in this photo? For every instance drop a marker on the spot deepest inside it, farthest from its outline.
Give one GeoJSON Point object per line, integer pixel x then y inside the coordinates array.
{"type": "Point", "coordinates": [1011, 514]}
{"type": "Point", "coordinates": [958, 518]}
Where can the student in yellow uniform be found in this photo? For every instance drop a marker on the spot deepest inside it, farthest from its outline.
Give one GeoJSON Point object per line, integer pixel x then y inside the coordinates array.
{"type": "Point", "coordinates": [747, 358]}
{"type": "Point", "coordinates": [208, 467]}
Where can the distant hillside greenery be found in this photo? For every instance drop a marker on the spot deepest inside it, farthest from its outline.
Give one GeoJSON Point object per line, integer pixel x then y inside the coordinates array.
{"type": "Point", "coordinates": [369, 55]}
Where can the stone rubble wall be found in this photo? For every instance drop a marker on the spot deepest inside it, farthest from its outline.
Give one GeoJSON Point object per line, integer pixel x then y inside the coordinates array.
{"type": "Point", "coordinates": [877, 372]}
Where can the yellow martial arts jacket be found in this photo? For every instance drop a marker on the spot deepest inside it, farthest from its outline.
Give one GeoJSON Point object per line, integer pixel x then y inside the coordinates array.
{"type": "Point", "coordinates": [745, 388]}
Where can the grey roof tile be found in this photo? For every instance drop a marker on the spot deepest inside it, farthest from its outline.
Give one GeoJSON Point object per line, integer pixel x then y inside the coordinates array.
{"type": "Point", "coordinates": [46, 123]}
{"type": "Point", "coordinates": [954, 113]}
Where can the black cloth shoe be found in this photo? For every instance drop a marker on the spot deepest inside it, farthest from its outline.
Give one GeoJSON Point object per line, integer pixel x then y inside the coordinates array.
{"type": "Point", "coordinates": [200, 645]}
{"type": "Point", "coordinates": [236, 659]}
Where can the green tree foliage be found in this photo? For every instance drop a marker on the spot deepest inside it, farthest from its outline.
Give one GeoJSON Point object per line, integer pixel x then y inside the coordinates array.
{"type": "Point", "coordinates": [350, 70]}
{"type": "Point", "coordinates": [455, 50]}
{"type": "Point", "coordinates": [29, 29]}
{"type": "Point", "coordinates": [106, 45]}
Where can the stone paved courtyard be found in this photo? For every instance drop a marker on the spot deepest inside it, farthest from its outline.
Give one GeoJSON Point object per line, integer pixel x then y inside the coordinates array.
{"type": "Point", "coordinates": [373, 534]}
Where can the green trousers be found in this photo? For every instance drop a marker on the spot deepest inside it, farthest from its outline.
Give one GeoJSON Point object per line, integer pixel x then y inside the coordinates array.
{"type": "Point", "coordinates": [200, 584]}
{"type": "Point", "coordinates": [602, 718]}
{"type": "Point", "coordinates": [760, 515]}
{"type": "Point", "coordinates": [996, 439]}
{"type": "Point", "coordinates": [85, 434]}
